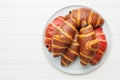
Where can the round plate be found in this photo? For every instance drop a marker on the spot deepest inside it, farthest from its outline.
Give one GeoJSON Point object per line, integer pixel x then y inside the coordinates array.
{"type": "Point", "coordinates": [76, 67]}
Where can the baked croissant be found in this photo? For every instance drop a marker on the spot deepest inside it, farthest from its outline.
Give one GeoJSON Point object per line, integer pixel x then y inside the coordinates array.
{"type": "Point", "coordinates": [64, 36]}
{"type": "Point", "coordinates": [71, 53]}
{"type": "Point", "coordinates": [103, 44]}
{"type": "Point", "coordinates": [90, 16]}
{"type": "Point", "coordinates": [50, 31]}
{"type": "Point", "coordinates": [88, 43]}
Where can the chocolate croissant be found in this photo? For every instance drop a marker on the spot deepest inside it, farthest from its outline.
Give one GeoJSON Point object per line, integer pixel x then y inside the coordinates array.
{"type": "Point", "coordinates": [90, 16]}
{"type": "Point", "coordinates": [71, 53]}
{"type": "Point", "coordinates": [64, 36]}
{"type": "Point", "coordinates": [88, 43]}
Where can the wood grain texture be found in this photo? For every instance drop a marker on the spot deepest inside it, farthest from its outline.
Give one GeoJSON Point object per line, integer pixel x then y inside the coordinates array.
{"type": "Point", "coordinates": [21, 29]}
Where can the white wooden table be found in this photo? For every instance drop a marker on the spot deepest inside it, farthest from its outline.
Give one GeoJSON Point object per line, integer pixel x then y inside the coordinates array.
{"type": "Point", "coordinates": [21, 27]}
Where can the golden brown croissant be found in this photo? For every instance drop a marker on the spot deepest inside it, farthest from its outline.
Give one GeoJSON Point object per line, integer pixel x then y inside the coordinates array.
{"type": "Point", "coordinates": [88, 43]}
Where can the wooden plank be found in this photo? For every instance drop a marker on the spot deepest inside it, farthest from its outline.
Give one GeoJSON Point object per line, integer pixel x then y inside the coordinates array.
{"type": "Point", "coordinates": [21, 28]}
{"type": "Point", "coordinates": [53, 3]}
{"type": "Point", "coordinates": [35, 13]}
{"type": "Point", "coordinates": [41, 71]}
{"type": "Point", "coordinates": [22, 57]}
{"type": "Point", "coordinates": [20, 42]}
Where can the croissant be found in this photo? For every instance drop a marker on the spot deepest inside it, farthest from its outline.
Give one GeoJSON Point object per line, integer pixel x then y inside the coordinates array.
{"type": "Point", "coordinates": [88, 43]}
{"type": "Point", "coordinates": [90, 16]}
{"type": "Point", "coordinates": [103, 44]}
{"type": "Point", "coordinates": [50, 31]}
{"type": "Point", "coordinates": [63, 37]}
{"type": "Point", "coordinates": [71, 53]}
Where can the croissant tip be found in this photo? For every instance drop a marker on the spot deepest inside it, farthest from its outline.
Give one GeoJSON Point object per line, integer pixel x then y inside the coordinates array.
{"type": "Point", "coordinates": [83, 64]}
{"type": "Point", "coordinates": [62, 64]}
{"type": "Point", "coordinates": [92, 63]}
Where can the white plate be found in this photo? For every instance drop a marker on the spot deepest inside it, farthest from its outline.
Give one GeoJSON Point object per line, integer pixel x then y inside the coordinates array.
{"type": "Point", "coordinates": [76, 67]}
